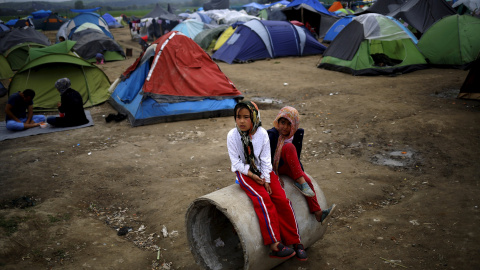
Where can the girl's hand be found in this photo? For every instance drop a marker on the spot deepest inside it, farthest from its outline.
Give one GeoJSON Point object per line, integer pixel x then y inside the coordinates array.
{"type": "Point", "coordinates": [257, 178]}
{"type": "Point", "coordinates": [267, 187]}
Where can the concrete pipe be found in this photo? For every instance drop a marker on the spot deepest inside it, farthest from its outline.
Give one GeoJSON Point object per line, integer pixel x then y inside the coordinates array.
{"type": "Point", "coordinates": [223, 230]}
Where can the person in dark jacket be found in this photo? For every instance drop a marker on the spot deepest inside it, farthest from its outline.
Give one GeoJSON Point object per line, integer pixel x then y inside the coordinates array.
{"type": "Point", "coordinates": [286, 146]}
{"type": "Point", "coordinates": [70, 108]}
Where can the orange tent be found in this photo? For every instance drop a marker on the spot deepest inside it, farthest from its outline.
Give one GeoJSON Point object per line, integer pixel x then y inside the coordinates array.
{"type": "Point", "coordinates": [335, 6]}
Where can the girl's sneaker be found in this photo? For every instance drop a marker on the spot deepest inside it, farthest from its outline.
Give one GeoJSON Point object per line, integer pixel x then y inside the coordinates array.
{"type": "Point", "coordinates": [300, 253]}
{"type": "Point", "coordinates": [304, 189]}
{"type": "Point", "coordinates": [283, 252]}
{"type": "Point", "coordinates": [326, 214]}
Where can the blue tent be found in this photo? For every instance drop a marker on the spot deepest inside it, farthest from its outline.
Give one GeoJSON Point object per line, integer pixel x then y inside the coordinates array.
{"type": "Point", "coordinates": [336, 28]}
{"type": "Point", "coordinates": [111, 21]}
{"type": "Point", "coordinates": [3, 28]}
{"type": "Point", "coordinates": [11, 22]}
{"type": "Point", "coordinates": [190, 28]}
{"type": "Point", "coordinates": [312, 13]}
{"type": "Point", "coordinates": [257, 39]}
{"type": "Point", "coordinates": [87, 17]}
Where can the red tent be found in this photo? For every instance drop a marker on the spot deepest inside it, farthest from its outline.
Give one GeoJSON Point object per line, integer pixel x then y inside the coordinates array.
{"type": "Point", "coordinates": [181, 68]}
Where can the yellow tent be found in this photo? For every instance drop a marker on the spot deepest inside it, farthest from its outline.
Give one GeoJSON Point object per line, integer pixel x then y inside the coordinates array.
{"type": "Point", "coordinates": [223, 37]}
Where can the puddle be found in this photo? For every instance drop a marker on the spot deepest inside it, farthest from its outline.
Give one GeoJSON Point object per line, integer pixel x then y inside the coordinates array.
{"type": "Point", "coordinates": [267, 100]}
{"type": "Point", "coordinates": [447, 93]}
{"type": "Point", "coordinates": [267, 103]}
{"type": "Point", "coordinates": [395, 159]}
{"type": "Point", "coordinates": [21, 202]}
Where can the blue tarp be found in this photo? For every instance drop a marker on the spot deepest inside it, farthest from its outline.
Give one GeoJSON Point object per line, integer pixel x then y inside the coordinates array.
{"type": "Point", "coordinates": [312, 3]}
{"type": "Point", "coordinates": [41, 14]}
{"type": "Point", "coordinates": [257, 39]}
{"type": "Point", "coordinates": [254, 5]}
{"type": "Point", "coordinates": [84, 10]}
{"type": "Point", "coordinates": [283, 2]}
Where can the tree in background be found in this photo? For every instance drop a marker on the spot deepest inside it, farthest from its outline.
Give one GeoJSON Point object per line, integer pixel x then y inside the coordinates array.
{"type": "Point", "coordinates": [79, 5]}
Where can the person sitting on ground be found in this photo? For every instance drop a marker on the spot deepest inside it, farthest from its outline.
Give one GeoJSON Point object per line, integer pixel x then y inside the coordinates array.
{"type": "Point", "coordinates": [286, 145]}
{"type": "Point", "coordinates": [16, 116]}
{"type": "Point", "coordinates": [70, 107]}
{"type": "Point", "coordinates": [100, 58]}
{"type": "Point", "coordinates": [249, 152]}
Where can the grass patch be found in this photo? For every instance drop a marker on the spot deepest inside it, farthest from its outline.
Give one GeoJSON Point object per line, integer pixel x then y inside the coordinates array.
{"type": "Point", "coordinates": [59, 217]}
{"type": "Point", "coordinates": [10, 225]}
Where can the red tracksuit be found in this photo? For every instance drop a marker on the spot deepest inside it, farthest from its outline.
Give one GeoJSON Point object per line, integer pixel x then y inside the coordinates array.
{"type": "Point", "coordinates": [275, 213]}
{"type": "Point", "coordinates": [291, 167]}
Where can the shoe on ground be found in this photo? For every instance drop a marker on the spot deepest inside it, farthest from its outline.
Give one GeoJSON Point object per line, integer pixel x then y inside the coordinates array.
{"type": "Point", "coordinates": [120, 117]}
{"type": "Point", "coordinates": [304, 189]}
{"type": "Point", "coordinates": [110, 118]}
{"type": "Point", "coordinates": [283, 252]}
{"type": "Point", "coordinates": [326, 214]}
{"type": "Point", "coordinates": [300, 252]}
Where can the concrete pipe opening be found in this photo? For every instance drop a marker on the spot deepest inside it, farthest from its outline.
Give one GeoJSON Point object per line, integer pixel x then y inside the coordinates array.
{"type": "Point", "coordinates": [223, 230]}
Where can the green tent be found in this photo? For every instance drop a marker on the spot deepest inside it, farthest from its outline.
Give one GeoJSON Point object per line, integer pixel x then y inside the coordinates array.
{"type": "Point", "coordinates": [453, 42]}
{"type": "Point", "coordinates": [18, 54]}
{"type": "Point", "coordinates": [5, 70]}
{"type": "Point", "coordinates": [40, 74]}
{"type": "Point", "coordinates": [373, 44]}
{"type": "Point", "coordinates": [65, 47]}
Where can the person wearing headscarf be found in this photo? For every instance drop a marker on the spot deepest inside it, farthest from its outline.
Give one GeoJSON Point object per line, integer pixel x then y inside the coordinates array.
{"type": "Point", "coordinates": [249, 151]}
{"type": "Point", "coordinates": [70, 108]}
{"type": "Point", "coordinates": [286, 146]}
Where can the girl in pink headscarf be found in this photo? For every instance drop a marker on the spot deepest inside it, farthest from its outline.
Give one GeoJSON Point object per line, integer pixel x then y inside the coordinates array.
{"type": "Point", "coordinates": [286, 146]}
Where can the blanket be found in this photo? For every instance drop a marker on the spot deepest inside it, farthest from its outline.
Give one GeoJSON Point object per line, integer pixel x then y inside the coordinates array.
{"type": "Point", "coordinates": [6, 134]}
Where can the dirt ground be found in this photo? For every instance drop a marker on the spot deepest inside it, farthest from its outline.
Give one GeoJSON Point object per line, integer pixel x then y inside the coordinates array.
{"type": "Point", "coordinates": [398, 155]}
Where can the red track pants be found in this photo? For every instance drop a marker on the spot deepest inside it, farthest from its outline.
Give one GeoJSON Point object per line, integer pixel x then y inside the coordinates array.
{"type": "Point", "coordinates": [291, 167]}
{"type": "Point", "coordinates": [275, 213]}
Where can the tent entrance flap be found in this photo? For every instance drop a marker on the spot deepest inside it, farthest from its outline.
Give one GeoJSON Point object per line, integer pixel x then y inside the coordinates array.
{"type": "Point", "coordinates": [387, 53]}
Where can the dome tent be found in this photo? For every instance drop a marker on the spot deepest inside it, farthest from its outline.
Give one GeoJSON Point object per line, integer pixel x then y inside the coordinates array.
{"type": "Point", "coordinates": [257, 39]}
{"type": "Point", "coordinates": [452, 42]}
{"type": "Point", "coordinates": [193, 87]}
{"type": "Point", "coordinates": [373, 44]}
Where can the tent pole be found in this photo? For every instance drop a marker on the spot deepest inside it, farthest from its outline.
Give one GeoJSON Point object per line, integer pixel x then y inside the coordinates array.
{"type": "Point", "coordinates": [302, 15]}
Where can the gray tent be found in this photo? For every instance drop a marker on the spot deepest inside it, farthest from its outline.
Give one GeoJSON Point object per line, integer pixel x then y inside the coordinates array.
{"type": "Point", "coordinates": [21, 35]}
{"type": "Point", "coordinates": [161, 13]}
{"type": "Point", "coordinates": [216, 4]}
{"type": "Point", "coordinates": [90, 42]}
{"type": "Point", "coordinates": [420, 14]}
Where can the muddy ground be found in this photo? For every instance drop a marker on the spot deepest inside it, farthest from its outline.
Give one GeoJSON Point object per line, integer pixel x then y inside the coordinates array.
{"type": "Point", "coordinates": [398, 155]}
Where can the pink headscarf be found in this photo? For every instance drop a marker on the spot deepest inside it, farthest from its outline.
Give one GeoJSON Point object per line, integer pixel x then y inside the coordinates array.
{"type": "Point", "coordinates": [291, 114]}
